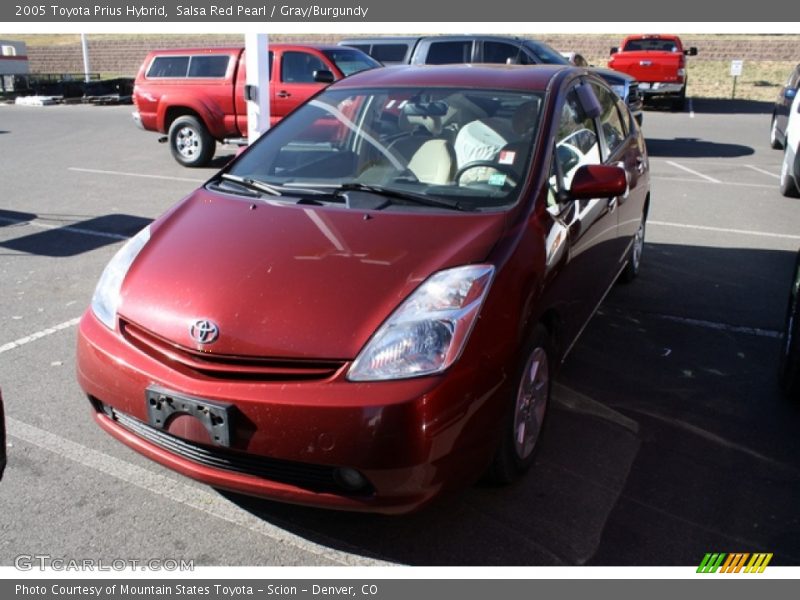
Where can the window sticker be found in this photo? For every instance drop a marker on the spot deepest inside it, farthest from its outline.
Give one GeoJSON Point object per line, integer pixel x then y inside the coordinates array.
{"type": "Point", "coordinates": [498, 179]}
{"type": "Point", "coordinates": [507, 157]}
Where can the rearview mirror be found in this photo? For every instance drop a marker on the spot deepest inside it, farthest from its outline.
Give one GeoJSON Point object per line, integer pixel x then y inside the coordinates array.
{"type": "Point", "coordinates": [588, 101]}
{"type": "Point", "coordinates": [598, 181]}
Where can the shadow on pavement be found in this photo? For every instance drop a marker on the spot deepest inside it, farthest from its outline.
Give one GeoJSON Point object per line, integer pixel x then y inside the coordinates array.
{"type": "Point", "coordinates": [695, 148]}
{"type": "Point", "coordinates": [668, 438]}
{"type": "Point", "coordinates": [70, 238]}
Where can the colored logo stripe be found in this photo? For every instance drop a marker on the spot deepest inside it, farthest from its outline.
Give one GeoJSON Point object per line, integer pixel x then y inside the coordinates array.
{"type": "Point", "coordinates": [734, 562]}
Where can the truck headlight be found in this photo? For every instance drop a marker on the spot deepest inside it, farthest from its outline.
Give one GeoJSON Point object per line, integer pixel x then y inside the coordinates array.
{"type": "Point", "coordinates": [428, 331]}
{"type": "Point", "coordinates": [106, 299]}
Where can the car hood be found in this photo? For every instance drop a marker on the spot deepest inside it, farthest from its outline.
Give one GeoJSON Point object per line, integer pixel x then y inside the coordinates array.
{"type": "Point", "coordinates": [289, 281]}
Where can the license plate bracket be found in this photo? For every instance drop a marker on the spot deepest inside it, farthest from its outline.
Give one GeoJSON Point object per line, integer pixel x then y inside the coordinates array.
{"type": "Point", "coordinates": [215, 416]}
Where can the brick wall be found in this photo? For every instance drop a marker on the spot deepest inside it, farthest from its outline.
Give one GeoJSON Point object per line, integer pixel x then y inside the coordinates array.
{"type": "Point", "coordinates": [123, 54]}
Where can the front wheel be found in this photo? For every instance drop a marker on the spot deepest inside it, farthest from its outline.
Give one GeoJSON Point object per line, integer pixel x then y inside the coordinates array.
{"type": "Point", "coordinates": [774, 138]}
{"type": "Point", "coordinates": [526, 417]}
{"type": "Point", "coordinates": [631, 270]}
{"type": "Point", "coordinates": [788, 183]}
{"type": "Point", "coordinates": [190, 143]}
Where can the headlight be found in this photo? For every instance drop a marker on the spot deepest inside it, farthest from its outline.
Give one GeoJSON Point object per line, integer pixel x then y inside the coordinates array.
{"type": "Point", "coordinates": [428, 331]}
{"type": "Point", "coordinates": [107, 293]}
{"type": "Point", "coordinates": [619, 90]}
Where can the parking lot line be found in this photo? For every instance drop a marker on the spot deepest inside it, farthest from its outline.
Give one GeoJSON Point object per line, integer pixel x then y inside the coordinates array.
{"type": "Point", "coordinates": [731, 183]}
{"type": "Point", "coordinates": [692, 171]}
{"type": "Point", "coordinates": [196, 498]}
{"type": "Point", "coordinates": [764, 171]}
{"type": "Point", "coordinates": [768, 333]}
{"type": "Point", "coordinates": [126, 174]}
{"type": "Point", "coordinates": [768, 234]}
{"type": "Point", "coordinates": [39, 335]}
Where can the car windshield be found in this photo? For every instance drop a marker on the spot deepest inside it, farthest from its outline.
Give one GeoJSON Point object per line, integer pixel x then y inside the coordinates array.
{"type": "Point", "coordinates": [546, 54]}
{"type": "Point", "coordinates": [416, 147]}
{"type": "Point", "coordinates": [350, 60]}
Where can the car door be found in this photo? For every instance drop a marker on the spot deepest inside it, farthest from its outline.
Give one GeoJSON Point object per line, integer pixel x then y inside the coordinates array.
{"type": "Point", "coordinates": [589, 227]}
{"type": "Point", "coordinates": [295, 81]}
{"type": "Point", "coordinates": [622, 146]}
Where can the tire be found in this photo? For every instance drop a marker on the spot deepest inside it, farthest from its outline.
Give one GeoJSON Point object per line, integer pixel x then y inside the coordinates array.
{"type": "Point", "coordinates": [634, 264]}
{"type": "Point", "coordinates": [789, 370]}
{"type": "Point", "coordinates": [774, 141]}
{"type": "Point", "coordinates": [788, 183]}
{"type": "Point", "coordinates": [679, 102]}
{"type": "Point", "coordinates": [190, 143]}
{"type": "Point", "coordinates": [527, 411]}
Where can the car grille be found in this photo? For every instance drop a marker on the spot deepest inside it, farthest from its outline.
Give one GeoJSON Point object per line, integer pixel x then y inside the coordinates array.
{"type": "Point", "coordinates": [315, 478]}
{"type": "Point", "coordinates": [223, 366]}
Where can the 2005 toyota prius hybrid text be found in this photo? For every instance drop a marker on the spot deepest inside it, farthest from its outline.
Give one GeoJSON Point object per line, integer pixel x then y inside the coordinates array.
{"type": "Point", "coordinates": [367, 306]}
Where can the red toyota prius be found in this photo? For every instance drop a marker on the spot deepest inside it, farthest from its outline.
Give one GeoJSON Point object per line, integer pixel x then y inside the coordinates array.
{"type": "Point", "coordinates": [367, 306]}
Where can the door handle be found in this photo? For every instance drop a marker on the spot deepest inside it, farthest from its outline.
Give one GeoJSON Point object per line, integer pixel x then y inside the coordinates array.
{"type": "Point", "coordinates": [283, 94]}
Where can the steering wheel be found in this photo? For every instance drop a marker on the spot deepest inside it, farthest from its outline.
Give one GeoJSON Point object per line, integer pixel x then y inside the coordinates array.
{"type": "Point", "coordinates": [507, 170]}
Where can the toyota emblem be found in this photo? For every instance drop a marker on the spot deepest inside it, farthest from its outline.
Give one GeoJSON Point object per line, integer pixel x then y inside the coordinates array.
{"type": "Point", "coordinates": [204, 331]}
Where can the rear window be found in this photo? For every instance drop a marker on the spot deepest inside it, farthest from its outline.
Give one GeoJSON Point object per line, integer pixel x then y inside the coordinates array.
{"type": "Point", "coordinates": [650, 45]}
{"type": "Point", "coordinates": [214, 65]}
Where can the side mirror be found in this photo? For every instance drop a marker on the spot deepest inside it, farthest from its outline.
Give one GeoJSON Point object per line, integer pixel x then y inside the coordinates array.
{"type": "Point", "coordinates": [598, 181]}
{"type": "Point", "coordinates": [324, 76]}
{"type": "Point", "coordinates": [691, 51]}
{"type": "Point", "coordinates": [614, 49]}
{"type": "Point", "coordinates": [789, 93]}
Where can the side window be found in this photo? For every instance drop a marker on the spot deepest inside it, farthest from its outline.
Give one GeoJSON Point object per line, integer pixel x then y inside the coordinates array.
{"type": "Point", "coordinates": [208, 66]}
{"type": "Point", "coordinates": [445, 53]}
{"type": "Point", "coordinates": [389, 53]}
{"type": "Point", "coordinates": [299, 67]}
{"type": "Point", "coordinates": [169, 66]}
{"type": "Point", "coordinates": [501, 52]}
{"type": "Point", "coordinates": [612, 130]}
{"type": "Point", "coordinates": [576, 140]}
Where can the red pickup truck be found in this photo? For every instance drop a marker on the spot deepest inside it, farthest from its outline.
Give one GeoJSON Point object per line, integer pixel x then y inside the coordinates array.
{"type": "Point", "coordinates": [658, 62]}
{"type": "Point", "coordinates": [196, 96]}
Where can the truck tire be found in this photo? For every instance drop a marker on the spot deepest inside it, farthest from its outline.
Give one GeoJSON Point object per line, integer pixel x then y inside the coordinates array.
{"type": "Point", "coordinates": [679, 102]}
{"type": "Point", "coordinates": [190, 143]}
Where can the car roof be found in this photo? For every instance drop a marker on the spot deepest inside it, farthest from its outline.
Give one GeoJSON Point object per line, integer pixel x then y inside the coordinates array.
{"type": "Point", "coordinates": [478, 76]}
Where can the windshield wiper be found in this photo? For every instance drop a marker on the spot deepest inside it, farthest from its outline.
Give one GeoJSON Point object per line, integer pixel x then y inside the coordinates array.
{"type": "Point", "coordinates": [252, 184]}
{"type": "Point", "coordinates": [409, 197]}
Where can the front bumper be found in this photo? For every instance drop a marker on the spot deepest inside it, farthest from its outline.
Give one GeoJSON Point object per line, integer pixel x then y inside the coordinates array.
{"type": "Point", "coordinates": [410, 439]}
{"type": "Point", "coordinates": [137, 119]}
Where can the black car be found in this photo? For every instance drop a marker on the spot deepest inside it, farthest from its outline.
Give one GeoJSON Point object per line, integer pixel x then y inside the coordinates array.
{"type": "Point", "coordinates": [780, 114]}
{"type": "Point", "coordinates": [790, 345]}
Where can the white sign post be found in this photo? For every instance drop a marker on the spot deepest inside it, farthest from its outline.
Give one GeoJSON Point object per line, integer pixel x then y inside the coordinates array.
{"type": "Point", "coordinates": [257, 90]}
{"type": "Point", "coordinates": [736, 71]}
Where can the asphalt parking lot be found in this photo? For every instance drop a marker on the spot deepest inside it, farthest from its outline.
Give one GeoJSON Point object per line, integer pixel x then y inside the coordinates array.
{"type": "Point", "coordinates": [668, 439]}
